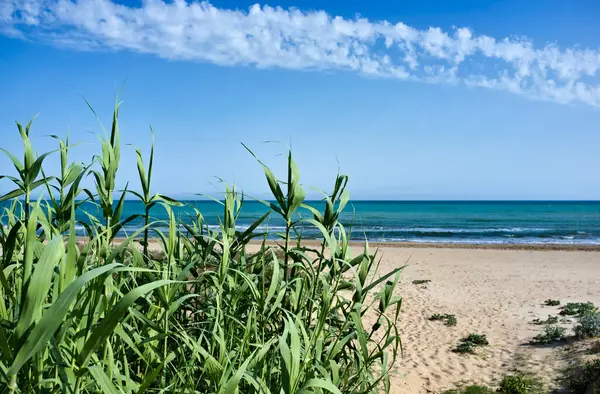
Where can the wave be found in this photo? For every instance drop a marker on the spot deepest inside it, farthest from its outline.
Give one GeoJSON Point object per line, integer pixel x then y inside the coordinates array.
{"type": "Point", "coordinates": [458, 235]}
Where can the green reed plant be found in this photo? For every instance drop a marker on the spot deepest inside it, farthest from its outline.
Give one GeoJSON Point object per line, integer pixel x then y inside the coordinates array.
{"type": "Point", "coordinates": [212, 313]}
{"type": "Point", "coordinates": [64, 191]}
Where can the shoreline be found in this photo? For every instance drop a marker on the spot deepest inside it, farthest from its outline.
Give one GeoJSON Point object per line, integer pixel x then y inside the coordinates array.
{"type": "Point", "coordinates": [483, 246]}
{"type": "Point", "coordinates": [436, 245]}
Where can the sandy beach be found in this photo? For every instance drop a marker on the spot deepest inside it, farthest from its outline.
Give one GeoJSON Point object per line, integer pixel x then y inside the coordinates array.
{"type": "Point", "coordinates": [496, 291]}
{"type": "Point", "coordinates": [493, 292]}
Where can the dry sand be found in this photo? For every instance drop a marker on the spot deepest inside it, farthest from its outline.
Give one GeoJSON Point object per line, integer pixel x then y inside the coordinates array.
{"type": "Point", "coordinates": [495, 292]}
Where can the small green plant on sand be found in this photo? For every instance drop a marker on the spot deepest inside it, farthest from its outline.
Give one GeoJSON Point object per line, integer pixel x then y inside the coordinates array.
{"type": "Point", "coordinates": [520, 384]}
{"type": "Point", "coordinates": [449, 320]}
{"type": "Point", "coordinates": [589, 326]}
{"type": "Point", "coordinates": [578, 308]}
{"type": "Point", "coordinates": [472, 389]}
{"type": "Point", "coordinates": [468, 344]}
{"type": "Point", "coordinates": [549, 320]}
{"type": "Point", "coordinates": [510, 384]}
{"type": "Point", "coordinates": [550, 302]}
{"type": "Point", "coordinates": [585, 379]}
{"type": "Point", "coordinates": [421, 281]}
{"type": "Point", "coordinates": [476, 339]}
{"type": "Point", "coordinates": [465, 347]}
{"type": "Point", "coordinates": [551, 334]}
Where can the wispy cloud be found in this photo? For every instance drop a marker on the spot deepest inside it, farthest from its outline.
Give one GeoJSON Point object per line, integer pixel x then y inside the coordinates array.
{"type": "Point", "coordinates": [265, 37]}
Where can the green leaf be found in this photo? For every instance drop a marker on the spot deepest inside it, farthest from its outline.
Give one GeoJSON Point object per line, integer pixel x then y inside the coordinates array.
{"type": "Point", "coordinates": [142, 173]}
{"type": "Point", "coordinates": [149, 379]}
{"type": "Point", "coordinates": [231, 386]}
{"type": "Point", "coordinates": [112, 318]}
{"type": "Point", "coordinates": [103, 380]}
{"type": "Point", "coordinates": [319, 383]}
{"type": "Point", "coordinates": [34, 170]}
{"type": "Point", "coordinates": [53, 318]}
{"type": "Point", "coordinates": [12, 194]}
{"type": "Point", "coordinates": [40, 283]}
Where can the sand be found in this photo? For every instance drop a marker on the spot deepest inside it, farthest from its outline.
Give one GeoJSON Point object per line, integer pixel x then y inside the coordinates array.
{"type": "Point", "coordinates": [495, 292]}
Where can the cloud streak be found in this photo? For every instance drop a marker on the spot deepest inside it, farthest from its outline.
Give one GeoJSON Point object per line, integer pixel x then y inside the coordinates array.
{"type": "Point", "coordinates": [267, 37]}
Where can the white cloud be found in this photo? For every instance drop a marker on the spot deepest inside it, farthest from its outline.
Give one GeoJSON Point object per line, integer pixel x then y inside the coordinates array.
{"type": "Point", "coordinates": [264, 37]}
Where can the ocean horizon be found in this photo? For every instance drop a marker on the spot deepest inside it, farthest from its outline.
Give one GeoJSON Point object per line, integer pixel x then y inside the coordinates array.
{"type": "Point", "coordinates": [534, 222]}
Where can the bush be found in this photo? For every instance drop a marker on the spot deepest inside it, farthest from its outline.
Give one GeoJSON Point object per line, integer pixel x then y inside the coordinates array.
{"type": "Point", "coordinates": [578, 308]}
{"type": "Point", "coordinates": [549, 320]}
{"type": "Point", "coordinates": [420, 281]}
{"type": "Point", "coordinates": [584, 378]}
{"type": "Point", "coordinates": [589, 326]}
{"type": "Point", "coordinates": [204, 316]}
{"type": "Point", "coordinates": [519, 384]}
{"type": "Point", "coordinates": [449, 320]}
{"type": "Point", "coordinates": [476, 339]}
{"type": "Point", "coordinates": [465, 347]}
{"type": "Point", "coordinates": [468, 344]}
{"type": "Point", "coordinates": [551, 302]}
{"type": "Point", "coordinates": [551, 334]}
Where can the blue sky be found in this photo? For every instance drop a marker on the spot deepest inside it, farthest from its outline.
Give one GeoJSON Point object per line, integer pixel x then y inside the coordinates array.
{"type": "Point", "coordinates": [415, 99]}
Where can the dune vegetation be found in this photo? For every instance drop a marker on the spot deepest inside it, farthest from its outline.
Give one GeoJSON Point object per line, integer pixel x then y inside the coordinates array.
{"type": "Point", "coordinates": [207, 314]}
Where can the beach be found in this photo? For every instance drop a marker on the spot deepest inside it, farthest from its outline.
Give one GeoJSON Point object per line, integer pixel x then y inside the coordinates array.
{"type": "Point", "coordinates": [493, 292]}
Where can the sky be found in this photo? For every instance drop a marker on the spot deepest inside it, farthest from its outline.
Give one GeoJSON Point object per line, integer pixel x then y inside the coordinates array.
{"type": "Point", "coordinates": [414, 99]}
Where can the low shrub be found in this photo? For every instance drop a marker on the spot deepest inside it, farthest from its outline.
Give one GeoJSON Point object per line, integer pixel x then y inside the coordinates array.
{"type": "Point", "coordinates": [465, 347]}
{"type": "Point", "coordinates": [578, 308]}
{"type": "Point", "coordinates": [584, 378]}
{"type": "Point", "coordinates": [549, 320]}
{"type": "Point", "coordinates": [510, 384]}
{"type": "Point", "coordinates": [550, 302]}
{"type": "Point", "coordinates": [468, 344]}
{"type": "Point", "coordinates": [551, 334]}
{"type": "Point", "coordinates": [476, 339]}
{"type": "Point", "coordinates": [449, 320]}
{"type": "Point", "coordinates": [520, 384]}
{"type": "Point", "coordinates": [589, 326]}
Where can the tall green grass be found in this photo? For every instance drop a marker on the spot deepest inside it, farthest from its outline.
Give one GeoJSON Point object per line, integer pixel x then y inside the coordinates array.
{"type": "Point", "coordinates": [208, 314]}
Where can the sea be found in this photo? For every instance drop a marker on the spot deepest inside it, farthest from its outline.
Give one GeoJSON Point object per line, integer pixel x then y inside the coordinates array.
{"type": "Point", "coordinates": [463, 222]}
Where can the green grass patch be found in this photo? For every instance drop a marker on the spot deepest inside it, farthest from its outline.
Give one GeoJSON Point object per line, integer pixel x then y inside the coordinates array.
{"type": "Point", "coordinates": [520, 384]}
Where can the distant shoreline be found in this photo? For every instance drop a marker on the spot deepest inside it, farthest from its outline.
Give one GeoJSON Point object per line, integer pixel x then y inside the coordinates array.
{"type": "Point", "coordinates": [429, 245]}
{"type": "Point", "coordinates": [435, 245]}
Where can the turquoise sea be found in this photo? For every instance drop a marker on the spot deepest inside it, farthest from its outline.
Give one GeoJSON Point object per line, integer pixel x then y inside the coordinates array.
{"type": "Point", "coordinates": [492, 222]}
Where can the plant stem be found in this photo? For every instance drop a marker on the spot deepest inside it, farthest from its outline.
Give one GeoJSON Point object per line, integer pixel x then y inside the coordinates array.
{"type": "Point", "coordinates": [146, 220]}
